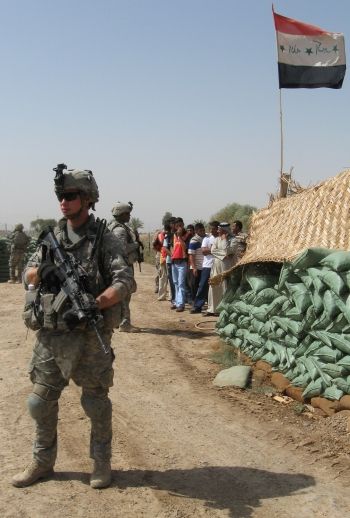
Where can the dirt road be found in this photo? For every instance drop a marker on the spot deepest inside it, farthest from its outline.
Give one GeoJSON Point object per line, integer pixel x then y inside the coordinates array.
{"type": "Point", "coordinates": [181, 447]}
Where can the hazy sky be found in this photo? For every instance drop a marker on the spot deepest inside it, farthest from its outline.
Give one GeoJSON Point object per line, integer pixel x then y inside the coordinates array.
{"type": "Point", "coordinates": [173, 104]}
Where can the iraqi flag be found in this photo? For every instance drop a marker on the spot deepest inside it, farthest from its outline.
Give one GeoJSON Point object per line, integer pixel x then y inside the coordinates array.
{"type": "Point", "coordinates": [308, 57]}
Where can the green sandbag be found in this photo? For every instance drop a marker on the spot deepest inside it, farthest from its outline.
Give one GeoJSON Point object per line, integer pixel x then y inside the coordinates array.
{"type": "Point", "coordinates": [242, 308]}
{"type": "Point", "coordinates": [344, 307]}
{"type": "Point", "coordinates": [300, 295]}
{"type": "Point", "coordinates": [314, 388]}
{"type": "Point", "coordinates": [306, 279]}
{"type": "Point", "coordinates": [343, 384]}
{"type": "Point", "coordinates": [333, 370]}
{"type": "Point", "coordinates": [248, 297]}
{"type": "Point", "coordinates": [338, 261]}
{"type": "Point", "coordinates": [270, 358]}
{"type": "Point", "coordinates": [236, 342]}
{"type": "Point", "coordinates": [322, 322]}
{"type": "Point", "coordinates": [291, 341]}
{"type": "Point", "coordinates": [328, 355]}
{"type": "Point", "coordinates": [310, 367]}
{"type": "Point", "coordinates": [291, 373]}
{"type": "Point", "coordinates": [286, 306]}
{"type": "Point", "coordinates": [259, 313]}
{"type": "Point", "coordinates": [256, 325]}
{"type": "Point", "coordinates": [228, 330]}
{"type": "Point", "coordinates": [334, 281]}
{"type": "Point", "coordinates": [346, 278]}
{"type": "Point", "coordinates": [340, 341]}
{"type": "Point", "coordinates": [322, 336]}
{"type": "Point", "coordinates": [255, 339]}
{"type": "Point", "coordinates": [309, 319]}
{"type": "Point", "coordinates": [313, 347]}
{"type": "Point", "coordinates": [295, 328]}
{"type": "Point", "coordinates": [287, 275]}
{"type": "Point", "coordinates": [302, 380]}
{"type": "Point", "coordinates": [265, 296]}
{"type": "Point", "coordinates": [241, 333]}
{"type": "Point", "coordinates": [310, 257]}
{"type": "Point", "coordinates": [259, 282]}
{"type": "Point", "coordinates": [244, 321]}
{"type": "Point", "coordinates": [317, 301]}
{"type": "Point", "coordinates": [223, 319]}
{"type": "Point", "coordinates": [330, 304]}
{"type": "Point", "coordinates": [294, 314]}
{"type": "Point", "coordinates": [233, 318]}
{"type": "Point", "coordinates": [339, 324]}
{"type": "Point", "coordinates": [345, 362]}
{"type": "Point", "coordinates": [258, 354]}
{"type": "Point", "coordinates": [276, 305]}
{"type": "Point", "coordinates": [333, 393]}
{"type": "Point", "coordinates": [280, 333]}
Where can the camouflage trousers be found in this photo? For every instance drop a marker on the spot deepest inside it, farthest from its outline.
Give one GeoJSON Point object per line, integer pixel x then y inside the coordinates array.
{"type": "Point", "coordinates": [57, 358]}
{"type": "Point", "coordinates": [16, 264]}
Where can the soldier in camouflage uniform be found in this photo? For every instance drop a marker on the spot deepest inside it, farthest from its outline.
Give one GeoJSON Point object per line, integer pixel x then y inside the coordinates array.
{"type": "Point", "coordinates": [130, 243]}
{"type": "Point", "coordinates": [61, 354]}
{"type": "Point", "coordinates": [19, 243]}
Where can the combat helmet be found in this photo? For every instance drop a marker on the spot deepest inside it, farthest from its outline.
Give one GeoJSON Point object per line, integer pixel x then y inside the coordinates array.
{"type": "Point", "coordinates": [122, 208]}
{"type": "Point", "coordinates": [81, 180]}
{"type": "Point", "coordinates": [19, 227]}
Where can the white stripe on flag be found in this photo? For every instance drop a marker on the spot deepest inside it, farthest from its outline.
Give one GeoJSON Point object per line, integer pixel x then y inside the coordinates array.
{"type": "Point", "coordinates": [321, 51]}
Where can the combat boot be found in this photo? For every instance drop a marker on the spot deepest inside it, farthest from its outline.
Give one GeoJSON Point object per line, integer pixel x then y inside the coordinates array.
{"type": "Point", "coordinates": [128, 328]}
{"type": "Point", "coordinates": [102, 475]}
{"type": "Point", "coordinates": [31, 474]}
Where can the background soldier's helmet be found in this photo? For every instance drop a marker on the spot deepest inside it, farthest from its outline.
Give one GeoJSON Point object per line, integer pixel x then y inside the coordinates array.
{"type": "Point", "coordinates": [121, 208]}
{"type": "Point", "coordinates": [19, 226]}
{"type": "Point", "coordinates": [79, 180]}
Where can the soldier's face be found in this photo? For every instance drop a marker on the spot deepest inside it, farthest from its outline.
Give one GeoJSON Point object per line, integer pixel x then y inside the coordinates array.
{"type": "Point", "coordinates": [70, 208]}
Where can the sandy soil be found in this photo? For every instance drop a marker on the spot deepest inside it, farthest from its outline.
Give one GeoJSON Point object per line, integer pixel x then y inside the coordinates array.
{"type": "Point", "coordinates": [181, 446]}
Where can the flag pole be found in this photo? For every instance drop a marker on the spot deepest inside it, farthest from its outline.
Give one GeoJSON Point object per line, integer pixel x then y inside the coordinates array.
{"type": "Point", "coordinates": [281, 133]}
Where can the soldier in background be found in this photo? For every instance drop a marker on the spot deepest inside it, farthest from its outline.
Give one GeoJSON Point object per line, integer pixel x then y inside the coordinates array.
{"type": "Point", "coordinates": [19, 244]}
{"type": "Point", "coordinates": [64, 351]}
{"type": "Point", "coordinates": [131, 246]}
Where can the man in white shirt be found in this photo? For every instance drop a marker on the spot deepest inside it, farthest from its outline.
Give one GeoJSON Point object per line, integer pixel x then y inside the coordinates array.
{"type": "Point", "coordinates": [208, 259]}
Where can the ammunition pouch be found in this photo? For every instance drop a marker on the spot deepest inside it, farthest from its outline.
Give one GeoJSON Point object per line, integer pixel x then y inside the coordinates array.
{"type": "Point", "coordinates": [30, 313]}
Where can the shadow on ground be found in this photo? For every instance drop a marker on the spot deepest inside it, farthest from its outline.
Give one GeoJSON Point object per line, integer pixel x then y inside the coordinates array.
{"type": "Point", "coordinates": [184, 333]}
{"type": "Point", "coordinates": [237, 490]}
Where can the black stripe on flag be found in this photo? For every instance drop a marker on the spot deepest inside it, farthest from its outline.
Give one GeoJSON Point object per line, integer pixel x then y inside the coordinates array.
{"type": "Point", "coordinates": [291, 76]}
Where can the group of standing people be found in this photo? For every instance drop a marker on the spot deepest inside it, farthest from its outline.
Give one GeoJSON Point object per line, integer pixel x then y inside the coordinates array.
{"type": "Point", "coordinates": [186, 258]}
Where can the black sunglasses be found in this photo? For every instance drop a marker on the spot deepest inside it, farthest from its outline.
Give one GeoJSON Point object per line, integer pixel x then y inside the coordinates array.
{"type": "Point", "coordinates": [68, 196]}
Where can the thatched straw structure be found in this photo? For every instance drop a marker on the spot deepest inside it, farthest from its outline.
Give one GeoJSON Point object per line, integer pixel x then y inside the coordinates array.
{"type": "Point", "coordinates": [318, 216]}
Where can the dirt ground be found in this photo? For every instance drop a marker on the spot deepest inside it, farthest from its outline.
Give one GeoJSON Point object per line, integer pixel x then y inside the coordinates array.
{"type": "Point", "coordinates": [181, 446]}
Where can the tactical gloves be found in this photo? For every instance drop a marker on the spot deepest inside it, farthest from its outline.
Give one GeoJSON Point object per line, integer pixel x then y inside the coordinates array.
{"type": "Point", "coordinates": [48, 273]}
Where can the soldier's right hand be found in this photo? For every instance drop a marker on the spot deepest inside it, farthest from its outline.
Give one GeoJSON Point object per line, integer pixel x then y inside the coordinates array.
{"type": "Point", "coordinates": [48, 273]}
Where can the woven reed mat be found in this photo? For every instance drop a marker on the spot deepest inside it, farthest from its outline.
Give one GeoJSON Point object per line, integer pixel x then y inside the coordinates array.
{"type": "Point", "coordinates": [319, 216]}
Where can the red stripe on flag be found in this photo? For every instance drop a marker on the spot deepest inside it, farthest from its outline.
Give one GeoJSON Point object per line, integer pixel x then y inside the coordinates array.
{"type": "Point", "coordinates": [290, 26]}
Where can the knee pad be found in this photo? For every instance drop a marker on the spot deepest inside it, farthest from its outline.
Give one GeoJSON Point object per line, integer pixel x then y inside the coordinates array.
{"type": "Point", "coordinates": [38, 407]}
{"type": "Point", "coordinates": [96, 404]}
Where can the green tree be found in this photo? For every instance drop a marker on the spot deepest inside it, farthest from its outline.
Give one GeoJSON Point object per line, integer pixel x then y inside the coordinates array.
{"type": "Point", "coordinates": [136, 223]}
{"type": "Point", "coordinates": [38, 225]}
{"type": "Point", "coordinates": [166, 216]}
{"type": "Point", "coordinates": [201, 221]}
{"type": "Point", "coordinates": [235, 211]}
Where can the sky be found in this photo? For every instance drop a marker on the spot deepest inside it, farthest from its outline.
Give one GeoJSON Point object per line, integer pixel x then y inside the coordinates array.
{"type": "Point", "coordinates": [173, 104]}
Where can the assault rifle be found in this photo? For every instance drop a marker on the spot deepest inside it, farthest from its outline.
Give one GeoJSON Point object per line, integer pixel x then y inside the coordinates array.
{"type": "Point", "coordinates": [139, 251]}
{"type": "Point", "coordinates": [73, 286]}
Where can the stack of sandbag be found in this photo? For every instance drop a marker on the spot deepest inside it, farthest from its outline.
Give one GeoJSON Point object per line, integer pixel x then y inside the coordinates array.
{"type": "Point", "coordinates": [4, 259]}
{"type": "Point", "coordinates": [31, 249]}
{"type": "Point", "coordinates": [297, 319]}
